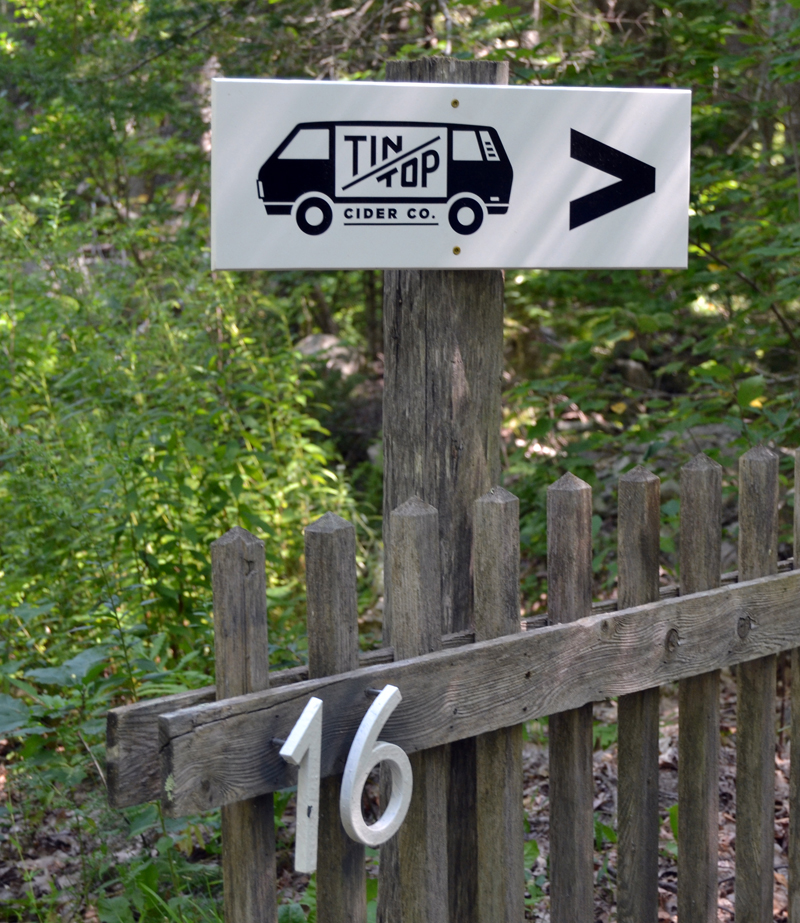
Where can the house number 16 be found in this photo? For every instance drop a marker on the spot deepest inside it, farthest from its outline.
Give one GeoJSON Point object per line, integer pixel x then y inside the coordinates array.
{"type": "Point", "coordinates": [303, 748]}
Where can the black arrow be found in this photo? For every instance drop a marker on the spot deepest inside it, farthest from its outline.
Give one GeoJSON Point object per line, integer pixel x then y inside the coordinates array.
{"type": "Point", "coordinates": [637, 179]}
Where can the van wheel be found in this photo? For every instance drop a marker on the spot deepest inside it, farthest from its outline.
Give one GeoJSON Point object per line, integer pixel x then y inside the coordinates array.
{"type": "Point", "coordinates": [465, 216]}
{"type": "Point", "coordinates": [314, 216]}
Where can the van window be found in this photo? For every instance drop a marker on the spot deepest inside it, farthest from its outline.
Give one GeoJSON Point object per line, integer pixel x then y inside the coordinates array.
{"type": "Point", "coordinates": [308, 144]}
{"type": "Point", "coordinates": [465, 145]}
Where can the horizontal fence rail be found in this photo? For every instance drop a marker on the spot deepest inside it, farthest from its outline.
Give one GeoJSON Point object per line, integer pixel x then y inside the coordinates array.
{"type": "Point", "coordinates": [217, 753]}
{"type": "Point", "coordinates": [132, 748]}
{"type": "Point", "coordinates": [462, 699]}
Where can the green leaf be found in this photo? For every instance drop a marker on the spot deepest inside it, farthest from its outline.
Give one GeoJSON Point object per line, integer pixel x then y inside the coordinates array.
{"type": "Point", "coordinates": [114, 910]}
{"type": "Point", "coordinates": [143, 820]}
{"type": "Point", "coordinates": [52, 676]}
{"type": "Point", "coordinates": [673, 820]}
{"type": "Point", "coordinates": [671, 507]}
{"type": "Point", "coordinates": [531, 852]}
{"type": "Point", "coordinates": [372, 900]}
{"type": "Point", "coordinates": [604, 735]}
{"type": "Point", "coordinates": [603, 834]}
{"type": "Point", "coordinates": [14, 713]}
{"type": "Point", "coordinates": [500, 11]}
{"type": "Point", "coordinates": [541, 428]}
{"type": "Point", "coordinates": [670, 368]}
{"type": "Point", "coordinates": [750, 389]}
{"type": "Point", "coordinates": [72, 671]}
{"type": "Point", "coordinates": [291, 913]}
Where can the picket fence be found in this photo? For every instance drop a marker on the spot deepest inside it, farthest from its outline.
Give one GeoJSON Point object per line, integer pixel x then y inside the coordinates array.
{"type": "Point", "coordinates": [466, 696]}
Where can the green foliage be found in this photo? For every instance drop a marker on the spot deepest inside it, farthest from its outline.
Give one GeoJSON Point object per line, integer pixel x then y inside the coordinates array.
{"type": "Point", "coordinates": [603, 834]}
{"type": "Point", "coordinates": [534, 884]}
{"type": "Point", "coordinates": [147, 405]}
{"type": "Point", "coordinates": [673, 821]}
{"type": "Point", "coordinates": [604, 735]}
{"type": "Point", "coordinates": [618, 368]}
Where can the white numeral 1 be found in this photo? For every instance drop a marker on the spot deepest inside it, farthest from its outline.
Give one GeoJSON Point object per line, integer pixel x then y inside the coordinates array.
{"type": "Point", "coordinates": [366, 752]}
{"type": "Point", "coordinates": [303, 748]}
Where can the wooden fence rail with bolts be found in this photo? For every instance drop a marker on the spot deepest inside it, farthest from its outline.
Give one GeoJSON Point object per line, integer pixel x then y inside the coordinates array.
{"type": "Point", "coordinates": [221, 746]}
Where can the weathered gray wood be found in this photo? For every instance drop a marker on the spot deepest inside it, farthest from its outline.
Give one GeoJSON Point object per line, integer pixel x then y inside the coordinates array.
{"type": "Point", "coordinates": [498, 800]}
{"type": "Point", "coordinates": [412, 886]}
{"type": "Point", "coordinates": [794, 763]}
{"type": "Point", "coordinates": [637, 811]}
{"type": "Point", "coordinates": [238, 578]}
{"type": "Point", "coordinates": [443, 341]}
{"type": "Point", "coordinates": [133, 772]}
{"type": "Point", "coordinates": [755, 720]}
{"type": "Point", "coordinates": [416, 579]}
{"type": "Point", "coordinates": [332, 600]}
{"type": "Point", "coordinates": [437, 69]}
{"type": "Point", "coordinates": [441, 427]}
{"type": "Point", "coordinates": [794, 793]}
{"type": "Point", "coordinates": [217, 753]}
{"type": "Point", "coordinates": [569, 597]}
{"type": "Point", "coordinates": [698, 703]}
{"type": "Point", "coordinates": [443, 347]}
{"type": "Point", "coordinates": [133, 768]}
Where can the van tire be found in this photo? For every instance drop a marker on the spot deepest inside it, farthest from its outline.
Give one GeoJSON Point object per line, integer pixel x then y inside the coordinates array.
{"type": "Point", "coordinates": [301, 216]}
{"type": "Point", "coordinates": [477, 213]}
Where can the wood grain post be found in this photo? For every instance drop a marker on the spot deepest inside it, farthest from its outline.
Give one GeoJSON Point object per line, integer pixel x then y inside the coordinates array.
{"type": "Point", "coordinates": [238, 577]}
{"type": "Point", "coordinates": [333, 648]}
{"type": "Point", "coordinates": [794, 762]}
{"type": "Point", "coordinates": [637, 817]}
{"type": "Point", "coordinates": [569, 597]}
{"type": "Point", "coordinates": [415, 889]}
{"type": "Point", "coordinates": [443, 347]}
{"type": "Point", "coordinates": [501, 873]}
{"type": "Point", "coordinates": [698, 703]}
{"type": "Point", "coordinates": [755, 720]}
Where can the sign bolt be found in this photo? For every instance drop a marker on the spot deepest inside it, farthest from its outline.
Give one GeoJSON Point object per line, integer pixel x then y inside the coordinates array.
{"type": "Point", "coordinates": [456, 250]}
{"type": "Point", "coordinates": [454, 104]}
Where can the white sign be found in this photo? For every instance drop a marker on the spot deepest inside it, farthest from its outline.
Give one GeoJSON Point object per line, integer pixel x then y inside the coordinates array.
{"type": "Point", "coordinates": [324, 175]}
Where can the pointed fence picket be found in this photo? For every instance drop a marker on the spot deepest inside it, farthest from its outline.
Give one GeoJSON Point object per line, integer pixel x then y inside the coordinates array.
{"type": "Point", "coordinates": [419, 851]}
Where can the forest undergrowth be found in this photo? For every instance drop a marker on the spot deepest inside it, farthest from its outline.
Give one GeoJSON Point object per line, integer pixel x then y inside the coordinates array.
{"type": "Point", "coordinates": [147, 405]}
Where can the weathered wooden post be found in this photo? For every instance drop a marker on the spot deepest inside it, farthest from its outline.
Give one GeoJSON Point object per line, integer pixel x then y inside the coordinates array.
{"type": "Point", "coordinates": [794, 764]}
{"type": "Point", "coordinates": [333, 648]}
{"type": "Point", "coordinates": [638, 822]}
{"type": "Point", "coordinates": [569, 597]}
{"type": "Point", "coordinates": [443, 347]}
{"type": "Point", "coordinates": [500, 859]}
{"type": "Point", "coordinates": [755, 719]}
{"type": "Point", "coordinates": [414, 862]}
{"type": "Point", "coordinates": [242, 665]}
{"type": "Point", "coordinates": [698, 703]}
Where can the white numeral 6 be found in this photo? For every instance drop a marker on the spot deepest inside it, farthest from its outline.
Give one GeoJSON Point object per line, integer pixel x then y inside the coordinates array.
{"type": "Point", "coordinates": [367, 751]}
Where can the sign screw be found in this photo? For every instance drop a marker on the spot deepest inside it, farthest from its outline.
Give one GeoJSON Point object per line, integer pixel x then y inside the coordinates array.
{"type": "Point", "coordinates": [456, 250]}
{"type": "Point", "coordinates": [454, 104]}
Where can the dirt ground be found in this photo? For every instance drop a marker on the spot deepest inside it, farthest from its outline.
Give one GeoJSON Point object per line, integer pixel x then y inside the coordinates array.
{"type": "Point", "coordinates": [605, 804]}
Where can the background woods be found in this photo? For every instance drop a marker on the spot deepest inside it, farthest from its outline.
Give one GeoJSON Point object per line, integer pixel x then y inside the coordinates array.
{"type": "Point", "coordinates": [147, 406]}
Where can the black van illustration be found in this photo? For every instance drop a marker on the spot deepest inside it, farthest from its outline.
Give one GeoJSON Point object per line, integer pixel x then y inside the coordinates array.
{"type": "Point", "coordinates": [462, 167]}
